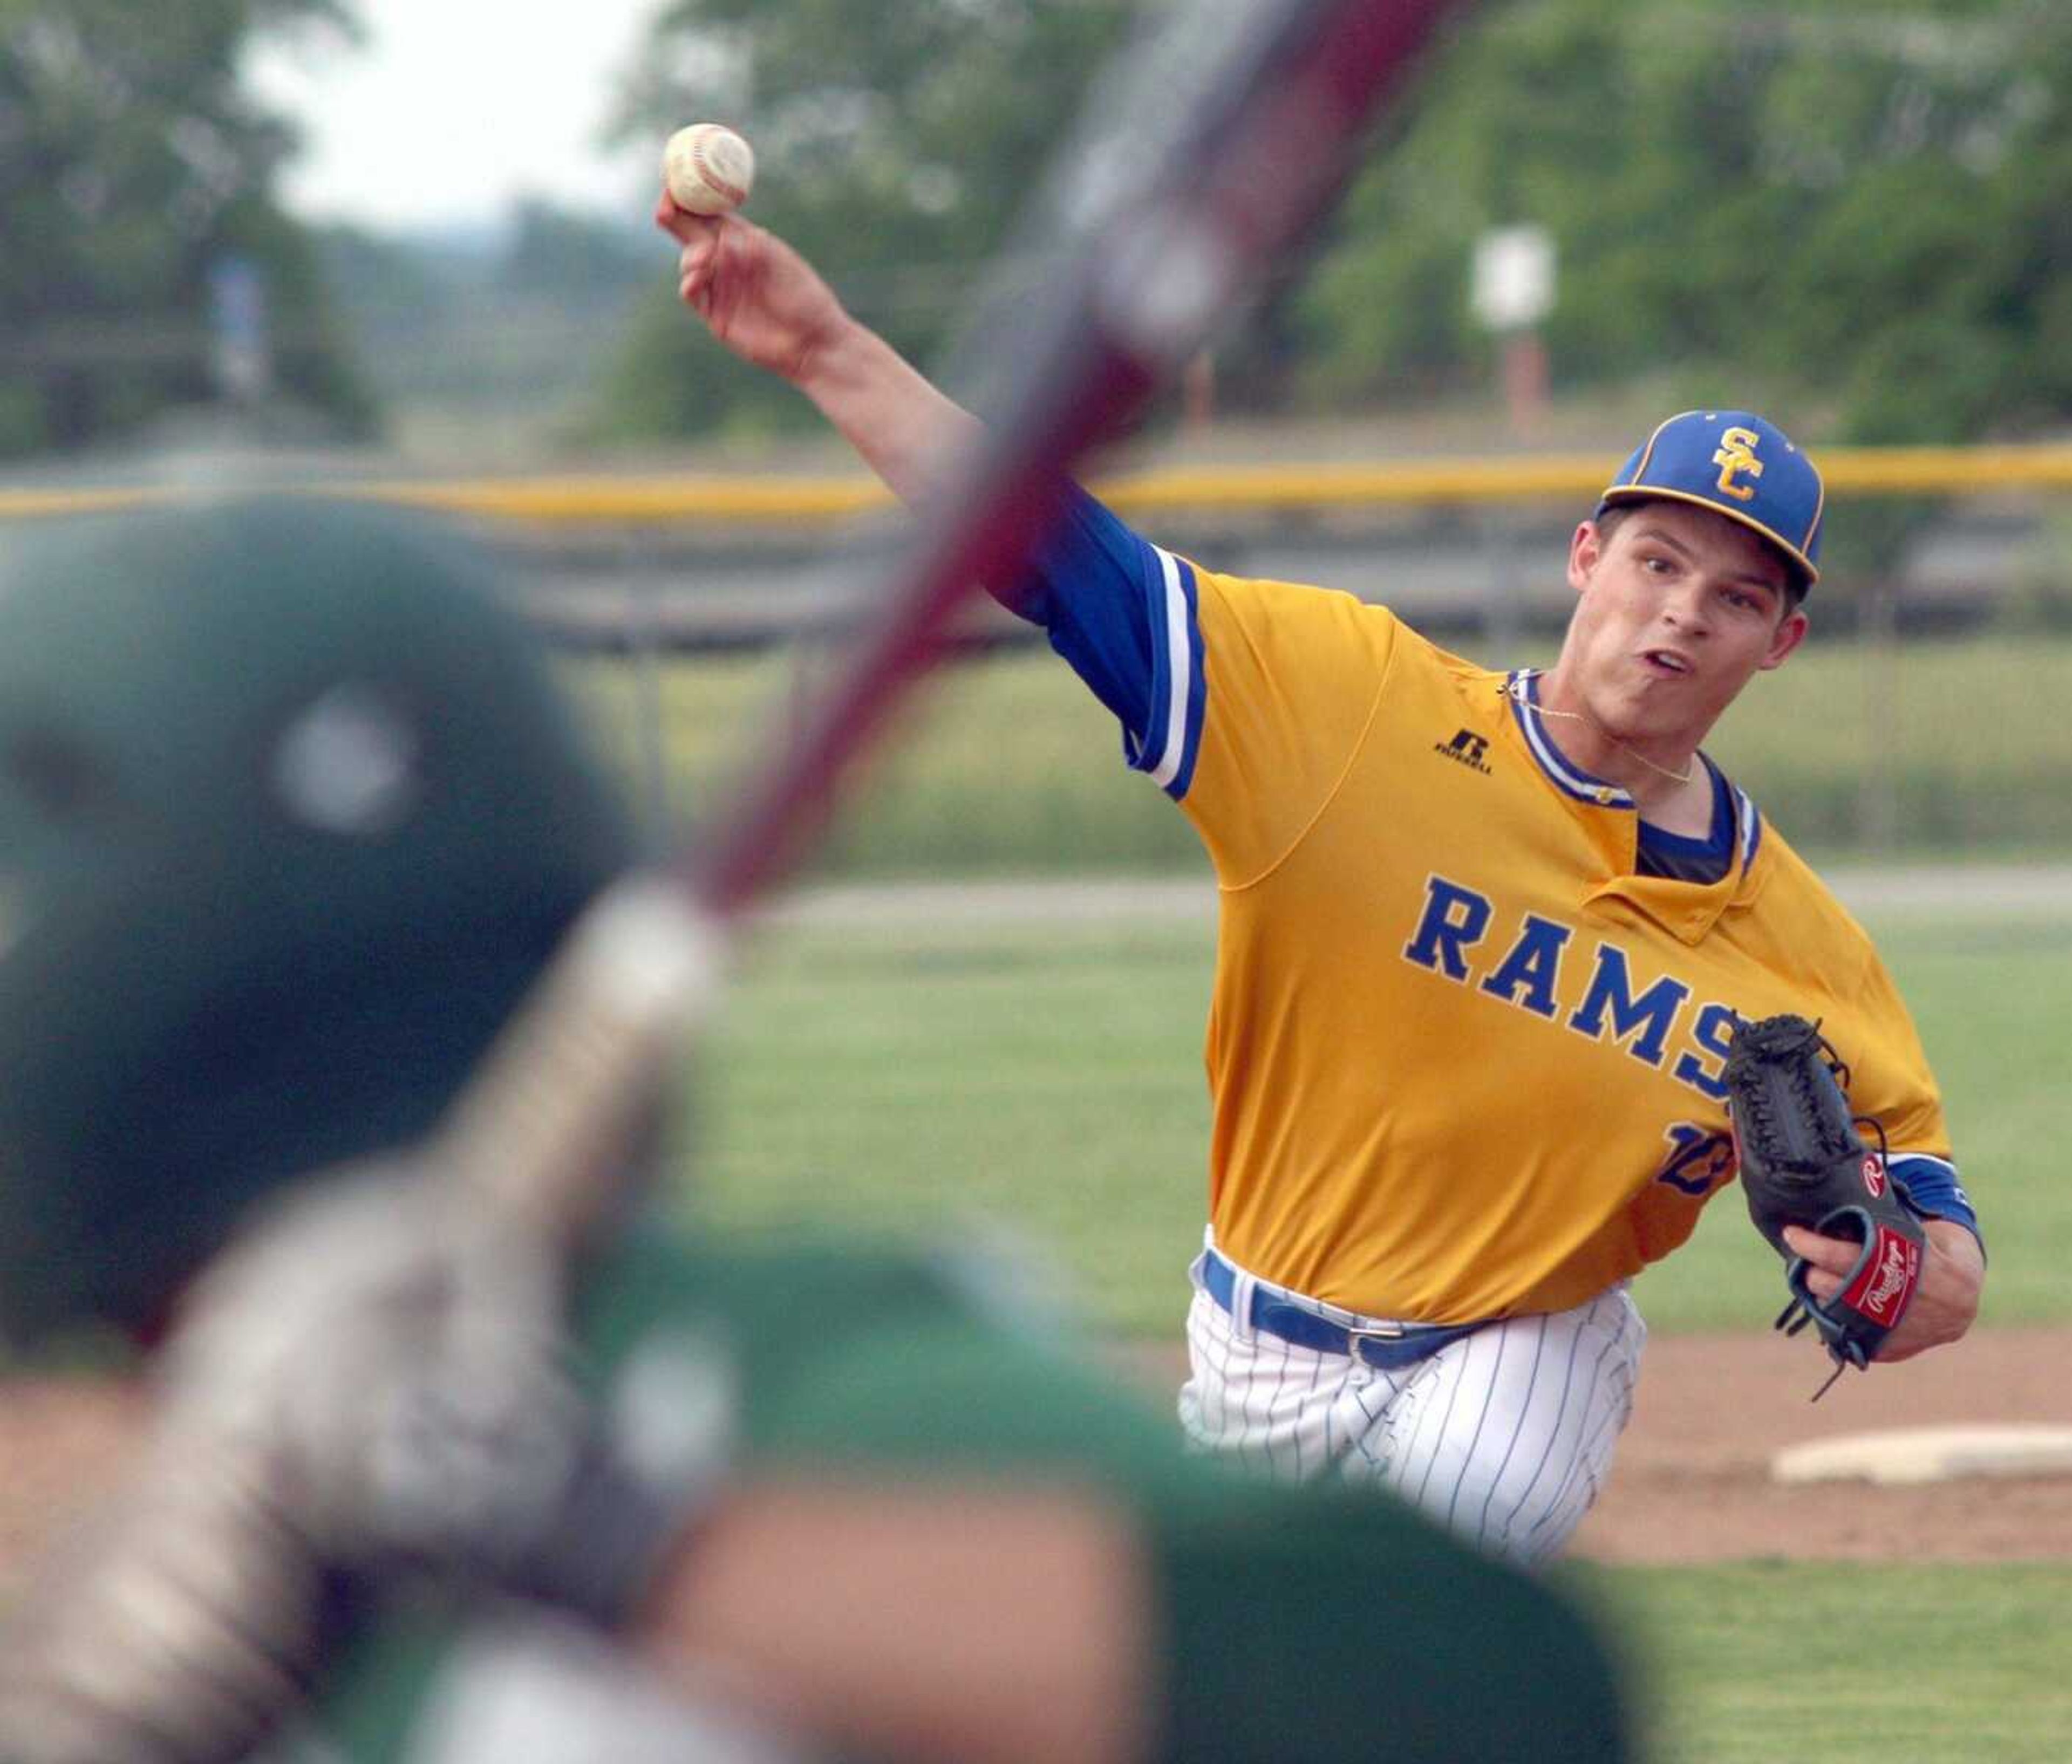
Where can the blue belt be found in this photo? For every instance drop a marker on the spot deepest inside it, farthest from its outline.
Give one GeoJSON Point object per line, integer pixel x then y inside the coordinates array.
{"type": "Point", "coordinates": [1393, 1348]}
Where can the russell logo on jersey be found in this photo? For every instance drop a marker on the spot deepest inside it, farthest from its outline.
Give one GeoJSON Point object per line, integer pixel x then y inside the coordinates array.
{"type": "Point", "coordinates": [1465, 749]}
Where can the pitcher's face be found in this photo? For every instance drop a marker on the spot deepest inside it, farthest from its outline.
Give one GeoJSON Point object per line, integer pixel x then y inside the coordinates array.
{"type": "Point", "coordinates": [1678, 608]}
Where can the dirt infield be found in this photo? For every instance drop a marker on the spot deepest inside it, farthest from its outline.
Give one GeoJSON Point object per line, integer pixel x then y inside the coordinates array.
{"type": "Point", "coordinates": [1692, 1483]}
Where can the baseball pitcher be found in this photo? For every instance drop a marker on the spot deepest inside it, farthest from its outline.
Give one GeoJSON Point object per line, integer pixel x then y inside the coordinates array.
{"type": "Point", "coordinates": [1486, 938]}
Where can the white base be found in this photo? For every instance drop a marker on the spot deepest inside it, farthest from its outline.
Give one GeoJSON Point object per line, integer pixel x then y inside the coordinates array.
{"type": "Point", "coordinates": [1929, 1454]}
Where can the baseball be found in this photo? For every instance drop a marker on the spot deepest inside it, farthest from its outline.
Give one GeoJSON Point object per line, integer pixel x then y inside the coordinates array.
{"type": "Point", "coordinates": [709, 168]}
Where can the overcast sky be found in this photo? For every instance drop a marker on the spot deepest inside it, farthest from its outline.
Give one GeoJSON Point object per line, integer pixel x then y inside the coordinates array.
{"type": "Point", "coordinates": [451, 106]}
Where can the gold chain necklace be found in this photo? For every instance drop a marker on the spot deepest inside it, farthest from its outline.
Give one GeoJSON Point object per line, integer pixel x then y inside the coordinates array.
{"type": "Point", "coordinates": [1538, 709]}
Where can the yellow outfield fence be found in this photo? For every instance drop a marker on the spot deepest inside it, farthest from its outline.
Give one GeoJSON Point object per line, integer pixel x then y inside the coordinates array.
{"type": "Point", "coordinates": [604, 499]}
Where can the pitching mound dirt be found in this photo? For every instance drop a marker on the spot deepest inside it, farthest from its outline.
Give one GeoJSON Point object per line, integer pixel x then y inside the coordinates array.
{"type": "Point", "coordinates": [1693, 1480]}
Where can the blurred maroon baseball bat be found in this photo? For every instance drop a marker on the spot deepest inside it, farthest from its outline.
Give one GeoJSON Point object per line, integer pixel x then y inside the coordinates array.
{"type": "Point", "coordinates": [1249, 174]}
{"type": "Point", "coordinates": [1162, 243]}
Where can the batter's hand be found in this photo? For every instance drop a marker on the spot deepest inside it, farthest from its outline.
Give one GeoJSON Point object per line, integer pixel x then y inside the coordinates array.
{"type": "Point", "coordinates": [1953, 1275]}
{"type": "Point", "coordinates": [760, 298]}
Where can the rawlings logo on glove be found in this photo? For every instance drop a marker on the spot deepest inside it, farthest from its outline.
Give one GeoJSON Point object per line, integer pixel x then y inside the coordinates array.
{"type": "Point", "coordinates": [1803, 1162]}
{"type": "Point", "coordinates": [1882, 1289]}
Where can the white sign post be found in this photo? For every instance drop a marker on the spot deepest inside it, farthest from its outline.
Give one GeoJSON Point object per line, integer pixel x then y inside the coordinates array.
{"type": "Point", "coordinates": [1513, 293]}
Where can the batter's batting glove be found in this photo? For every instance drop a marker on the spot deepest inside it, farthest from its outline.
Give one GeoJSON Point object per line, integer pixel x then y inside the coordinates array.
{"type": "Point", "coordinates": [406, 1369]}
{"type": "Point", "coordinates": [1804, 1162]}
{"type": "Point", "coordinates": [365, 1400]}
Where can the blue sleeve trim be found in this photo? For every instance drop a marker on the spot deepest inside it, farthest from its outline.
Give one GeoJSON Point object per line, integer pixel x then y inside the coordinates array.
{"type": "Point", "coordinates": [1930, 1187]}
{"type": "Point", "coordinates": [1751, 828]}
{"type": "Point", "coordinates": [1121, 613]}
{"type": "Point", "coordinates": [1179, 692]}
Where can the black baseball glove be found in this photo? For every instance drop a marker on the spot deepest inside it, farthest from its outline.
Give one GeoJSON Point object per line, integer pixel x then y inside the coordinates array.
{"type": "Point", "coordinates": [1804, 1162]}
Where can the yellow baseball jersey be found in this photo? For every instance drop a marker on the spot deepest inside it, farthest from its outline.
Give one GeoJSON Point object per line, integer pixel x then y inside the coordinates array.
{"type": "Point", "coordinates": [1464, 1062]}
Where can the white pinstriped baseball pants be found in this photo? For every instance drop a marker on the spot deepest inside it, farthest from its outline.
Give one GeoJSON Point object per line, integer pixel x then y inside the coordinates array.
{"type": "Point", "coordinates": [1504, 1436]}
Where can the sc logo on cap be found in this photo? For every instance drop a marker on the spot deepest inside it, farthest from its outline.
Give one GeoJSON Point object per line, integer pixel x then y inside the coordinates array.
{"type": "Point", "coordinates": [1737, 455]}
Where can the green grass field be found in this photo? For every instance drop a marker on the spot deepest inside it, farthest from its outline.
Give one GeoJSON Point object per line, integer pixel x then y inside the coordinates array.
{"type": "Point", "coordinates": [1849, 1664]}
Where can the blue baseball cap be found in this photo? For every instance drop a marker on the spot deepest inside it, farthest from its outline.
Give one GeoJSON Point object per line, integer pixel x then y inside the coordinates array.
{"type": "Point", "coordinates": [1737, 465]}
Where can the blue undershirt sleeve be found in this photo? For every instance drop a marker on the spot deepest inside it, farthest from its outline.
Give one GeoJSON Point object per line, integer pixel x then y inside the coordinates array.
{"type": "Point", "coordinates": [1097, 589]}
{"type": "Point", "coordinates": [1930, 1186]}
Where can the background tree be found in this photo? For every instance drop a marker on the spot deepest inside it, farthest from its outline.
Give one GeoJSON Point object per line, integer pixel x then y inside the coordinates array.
{"type": "Point", "coordinates": [1863, 204]}
{"type": "Point", "coordinates": [1856, 211]}
{"type": "Point", "coordinates": [1854, 214]}
{"type": "Point", "coordinates": [133, 167]}
{"type": "Point", "coordinates": [901, 142]}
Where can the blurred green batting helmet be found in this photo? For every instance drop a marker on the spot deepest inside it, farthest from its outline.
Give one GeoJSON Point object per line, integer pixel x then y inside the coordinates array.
{"type": "Point", "coordinates": [290, 814]}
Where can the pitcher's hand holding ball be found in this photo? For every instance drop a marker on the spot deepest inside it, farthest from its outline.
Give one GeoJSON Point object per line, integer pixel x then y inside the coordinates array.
{"type": "Point", "coordinates": [759, 296]}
